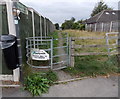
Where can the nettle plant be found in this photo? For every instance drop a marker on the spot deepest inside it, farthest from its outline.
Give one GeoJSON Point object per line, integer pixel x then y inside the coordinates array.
{"type": "Point", "coordinates": [37, 84]}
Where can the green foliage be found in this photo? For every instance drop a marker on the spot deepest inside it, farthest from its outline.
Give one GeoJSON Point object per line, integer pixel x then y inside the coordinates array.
{"type": "Point", "coordinates": [93, 65]}
{"type": "Point", "coordinates": [26, 70]}
{"type": "Point", "coordinates": [76, 25]}
{"type": "Point", "coordinates": [118, 69]}
{"type": "Point", "coordinates": [38, 83]}
{"type": "Point", "coordinates": [67, 24]}
{"type": "Point", "coordinates": [82, 27]}
{"type": "Point", "coordinates": [52, 76]}
{"type": "Point", "coordinates": [71, 24]}
{"type": "Point", "coordinates": [100, 7]}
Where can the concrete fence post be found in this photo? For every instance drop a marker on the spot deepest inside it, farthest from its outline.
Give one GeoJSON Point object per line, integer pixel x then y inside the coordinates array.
{"type": "Point", "coordinates": [86, 27]}
{"type": "Point", "coordinates": [90, 27]}
{"type": "Point", "coordinates": [111, 24]}
{"type": "Point", "coordinates": [102, 29]}
{"type": "Point", "coordinates": [95, 27]}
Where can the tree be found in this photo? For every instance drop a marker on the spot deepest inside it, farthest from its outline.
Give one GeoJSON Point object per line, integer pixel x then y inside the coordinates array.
{"type": "Point", "coordinates": [80, 21]}
{"type": "Point", "coordinates": [100, 7]}
{"type": "Point", "coordinates": [67, 24]}
{"type": "Point", "coordinates": [57, 26]}
{"type": "Point", "coordinates": [73, 19]}
{"type": "Point", "coordinates": [71, 24]}
{"type": "Point", "coordinates": [76, 25]}
{"type": "Point", "coordinates": [81, 24]}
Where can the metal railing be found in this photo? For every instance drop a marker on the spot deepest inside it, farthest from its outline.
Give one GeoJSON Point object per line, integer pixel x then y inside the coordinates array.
{"type": "Point", "coordinates": [47, 44]}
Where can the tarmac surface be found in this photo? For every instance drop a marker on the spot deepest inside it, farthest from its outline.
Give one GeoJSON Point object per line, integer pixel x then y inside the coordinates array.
{"type": "Point", "coordinates": [91, 87]}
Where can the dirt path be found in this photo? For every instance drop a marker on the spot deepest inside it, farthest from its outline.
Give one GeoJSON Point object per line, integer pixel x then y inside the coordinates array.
{"type": "Point", "coordinates": [61, 74]}
{"type": "Point", "coordinates": [61, 50]}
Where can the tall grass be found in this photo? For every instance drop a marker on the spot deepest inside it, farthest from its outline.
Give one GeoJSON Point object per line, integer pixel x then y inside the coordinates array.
{"type": "Point", "coordinates": [78, 33]}
{"type": "Point", "coordinates": [93, 65]}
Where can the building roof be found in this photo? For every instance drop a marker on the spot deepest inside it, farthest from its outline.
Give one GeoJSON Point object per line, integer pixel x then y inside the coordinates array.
{"type": "Point", "coordinates": [105, 16]}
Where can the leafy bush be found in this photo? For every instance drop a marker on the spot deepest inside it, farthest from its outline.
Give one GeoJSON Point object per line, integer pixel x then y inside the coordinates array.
{"type": "Point", "coordinates": [37, 84]}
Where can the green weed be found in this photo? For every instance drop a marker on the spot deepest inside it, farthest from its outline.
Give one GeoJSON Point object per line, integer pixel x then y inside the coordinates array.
{"type": "Point", "coordinates": [38, 83]}
{"type": "Point", "coordinates": [93, 65]}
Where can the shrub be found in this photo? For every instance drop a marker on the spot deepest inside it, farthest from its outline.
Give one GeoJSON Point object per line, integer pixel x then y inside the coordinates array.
{"type": "Point", "coordinates": [37, 84]}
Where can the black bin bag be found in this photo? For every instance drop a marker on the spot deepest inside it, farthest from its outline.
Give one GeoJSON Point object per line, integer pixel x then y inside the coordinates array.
{"type": "Point", "coordinates": [8, 44]}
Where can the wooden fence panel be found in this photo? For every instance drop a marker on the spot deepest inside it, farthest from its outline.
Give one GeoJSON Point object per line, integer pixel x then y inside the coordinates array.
{"type": "Point", "coordinates": [103, 27]}
{"type": "Point", "coordinates": [73, 46]}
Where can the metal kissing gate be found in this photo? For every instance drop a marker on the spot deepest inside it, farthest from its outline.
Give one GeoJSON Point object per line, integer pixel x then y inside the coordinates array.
{"type": "Point", "coordinates": [47, 52]}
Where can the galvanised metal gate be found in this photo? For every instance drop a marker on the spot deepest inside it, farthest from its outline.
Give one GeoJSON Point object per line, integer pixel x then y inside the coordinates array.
{"type": "Point", "coordinates": [112, 43]}
{"type": "Point", "coordinates": [57, 49]}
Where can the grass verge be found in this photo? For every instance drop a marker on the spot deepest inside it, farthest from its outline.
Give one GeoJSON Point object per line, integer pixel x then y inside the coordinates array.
{"type": "Point", "coordinates": [93, 66]}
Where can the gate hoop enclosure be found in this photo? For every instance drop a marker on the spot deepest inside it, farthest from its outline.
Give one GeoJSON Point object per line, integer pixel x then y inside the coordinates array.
{"type": "Point", "coordinates": [47, 44]}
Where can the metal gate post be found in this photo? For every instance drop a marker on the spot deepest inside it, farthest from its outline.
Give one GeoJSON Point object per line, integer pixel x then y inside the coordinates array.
{"type": "Point", "coordinates": [51, 53]}
{"type": "Point", "coordinates": [107, 43]}
{"type": "Point", "coordinates": [72, 59]}
{"type": "Point", "coordinates": [68, 50]}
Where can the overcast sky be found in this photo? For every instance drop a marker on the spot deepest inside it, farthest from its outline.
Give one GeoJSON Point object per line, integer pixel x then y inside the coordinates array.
{"type": "Point", "coordinates": [59, 10]}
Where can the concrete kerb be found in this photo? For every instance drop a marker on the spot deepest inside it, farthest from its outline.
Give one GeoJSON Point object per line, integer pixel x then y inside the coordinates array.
{"type": "Point", "coordinates": [70, 80]}
{"type": "Point", "coordinates": [82, 78]}
{"type": "Point", "coordinates": [9, 86]}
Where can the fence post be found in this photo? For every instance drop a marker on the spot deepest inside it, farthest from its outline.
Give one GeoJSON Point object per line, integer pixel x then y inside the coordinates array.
{"type": "Point", "coordinates": [86, 27]}
{"type": "Point", "coordinates": [95, 27]}
{"type": "Point", "coordinates": [51, 54]}
{"type": "Point", "coordinates": [72, 60]}
{"type": "Point", "coordinates": [90, 27]}
{"type": "Point", "coordinates": [69, 50]}
{"type": "Point", "coordinates": [107, 43]}
{"type": "Point", "coordinates": [102, 27]}
{"type": "Point", "coordinates": [111, 26]}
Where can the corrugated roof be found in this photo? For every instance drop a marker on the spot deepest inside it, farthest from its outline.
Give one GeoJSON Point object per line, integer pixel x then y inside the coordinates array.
{"type": "Point", "coordinates": [105, 16]}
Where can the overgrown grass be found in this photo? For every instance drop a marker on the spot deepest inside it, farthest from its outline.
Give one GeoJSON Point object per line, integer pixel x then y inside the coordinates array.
{"type": "Point", "coordinates": [78, 33]}
{"type": "Point", "coordinates": [26, 70]}
{"type": "Point", "coordinates": [50, 75]}
{"type": "Point", "coordinates": [93, 66]}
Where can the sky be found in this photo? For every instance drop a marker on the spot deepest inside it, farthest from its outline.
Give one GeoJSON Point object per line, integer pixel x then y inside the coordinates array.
{"type": "Point", "coordinates": [60, 10]}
